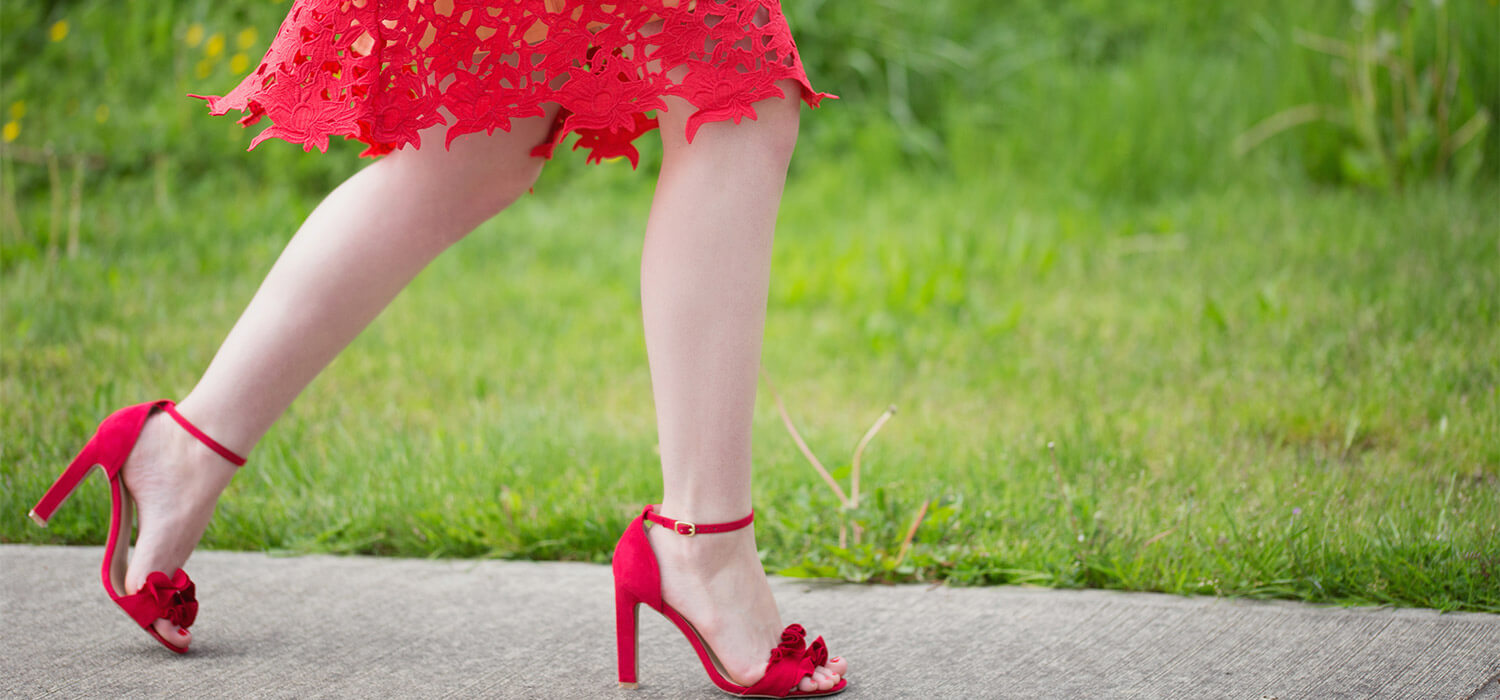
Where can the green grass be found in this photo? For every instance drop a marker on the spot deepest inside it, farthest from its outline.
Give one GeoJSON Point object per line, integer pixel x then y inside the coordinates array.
{"type": "Point", "coordinates": [1278, 393]}
{"type": "Point", "coordinates": [1253, 384]}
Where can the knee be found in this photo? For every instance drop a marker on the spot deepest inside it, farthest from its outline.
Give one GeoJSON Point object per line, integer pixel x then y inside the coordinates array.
{"type": "Point", "coordinates": [770, 137]}
{"type": "Point", "coordinates": [781, 118]}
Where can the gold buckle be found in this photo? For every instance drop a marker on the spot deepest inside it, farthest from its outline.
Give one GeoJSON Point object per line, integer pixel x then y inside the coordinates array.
{"type": "Point", "coordinates": [691, 528]}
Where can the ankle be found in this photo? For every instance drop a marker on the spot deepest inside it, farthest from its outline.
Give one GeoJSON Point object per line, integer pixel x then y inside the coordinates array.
{"type": "Point", "coordinates": [703, 511]}
{"type": "Point", "coordinates": [208, 472]}
{"type": "Point", "coordinates": [167, 457]}
{"type": "Point", "coordinates": [221, 426]}
{"type": "Point", "coordinates": [704, 555]}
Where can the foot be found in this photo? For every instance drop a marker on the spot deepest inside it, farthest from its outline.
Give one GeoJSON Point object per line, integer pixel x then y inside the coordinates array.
{"type": "Point", "coordinates": [716, 581]}
{"type": "Point", "coordinates": [175, 482]}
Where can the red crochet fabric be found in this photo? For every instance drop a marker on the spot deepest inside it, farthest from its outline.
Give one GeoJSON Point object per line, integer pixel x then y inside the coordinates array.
{"type": "Point", "coordinates": [378, 70]}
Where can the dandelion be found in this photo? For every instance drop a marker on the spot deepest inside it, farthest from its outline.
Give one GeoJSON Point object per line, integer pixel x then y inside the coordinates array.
{"type": "Point", "coordinates": [101, 113]}
{"type": "Point", "coordinates": [18, 109]}
{"type": "Point", "coordinates": [246, 38]}
{"type": "Point", "coordinates": [194, 35]}
{"type": "Point", "coordinates": [11, 131]}
{"type": "Point", "coordinates": [59, 30]}
{"type": "Point", "coordinates": [239, 62]}
{"type": "Point", "coordinates": [215, 45]}
{"type": "Point", "coordinates": [204, 68]}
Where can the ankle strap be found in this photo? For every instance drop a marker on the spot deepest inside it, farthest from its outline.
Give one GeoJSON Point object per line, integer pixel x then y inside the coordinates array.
{"type": "Point", "coordinates": [687, 529]}
{"type": "Point", "coordinates": [225, 452]}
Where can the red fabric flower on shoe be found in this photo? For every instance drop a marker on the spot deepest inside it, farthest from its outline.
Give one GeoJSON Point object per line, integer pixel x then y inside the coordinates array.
{"type": "Point", "coordinates": [793, 644]}
{"type": "Point", "coordinates": [791, 661]}
{"type": "Point", "coordinates": [175, 598]}
{"type": "Point", "coordinates": [817, 653]}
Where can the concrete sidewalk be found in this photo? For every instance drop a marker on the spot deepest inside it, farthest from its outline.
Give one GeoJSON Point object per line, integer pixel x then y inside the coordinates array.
{"type": "Point", "coordinates": [323, 626]}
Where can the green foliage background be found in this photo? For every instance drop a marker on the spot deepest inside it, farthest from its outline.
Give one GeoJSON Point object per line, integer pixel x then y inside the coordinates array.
{"type": "Point", "coordinates": [1025, 223]}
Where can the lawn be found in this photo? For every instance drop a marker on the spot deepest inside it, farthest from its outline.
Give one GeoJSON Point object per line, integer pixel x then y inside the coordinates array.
{"type": "Point", "coordinates": [1140, 363]}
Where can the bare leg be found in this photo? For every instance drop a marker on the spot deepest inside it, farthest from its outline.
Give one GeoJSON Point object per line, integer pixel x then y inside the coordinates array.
{"type": "Point", "coordinates": [357, 250]}
{"type": "Point", "coordinates": [705, 273]}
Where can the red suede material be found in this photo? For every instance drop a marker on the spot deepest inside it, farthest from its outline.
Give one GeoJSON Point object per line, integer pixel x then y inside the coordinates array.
{"type": "Point", "coordinates": [635, 564]}
{"type": "Point", "coordinates": [139, 607]}
{"type": "Point", "coordinates": [117, 436]}
{"type": "Point", "coordinates": [203, 437]}
{"type": "Point", "coordinates": [683, 527]}
{"type": "Point", "coordinates": [781, 678]}
{"type": "Point", "coordinates": [790, 662]}
{"type": "Point", "coordinates": [638, 580]}
{"type": "Point", "coordinates": [817, 652]}
{"type": "Point", "coordinates": [118, 433]}
{"type": "Point", "coordinates": [172, 598]}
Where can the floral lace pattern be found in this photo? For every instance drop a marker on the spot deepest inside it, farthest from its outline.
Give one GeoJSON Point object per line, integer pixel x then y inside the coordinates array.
{"type": "Point", "coordinates": [379, 70]}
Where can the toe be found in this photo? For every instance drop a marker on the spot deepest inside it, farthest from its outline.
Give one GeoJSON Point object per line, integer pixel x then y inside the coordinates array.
{"type": "Point", "coordinates": [822, 678]}
{"type": "Point", "coordinates": [177, 636]}
{"type": "Point", "coordinates": [838, 665]}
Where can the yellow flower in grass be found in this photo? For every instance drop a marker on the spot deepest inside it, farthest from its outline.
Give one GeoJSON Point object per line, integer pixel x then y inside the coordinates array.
{"type": "Point", "coordinates": [246, 38]}
{"type": "Point", "coordinates": [215, 45]}
{"type": "Point", "coordinates": [194, 35]}
{"type": "Point", "coordinates": [204, 69]}
{"type": "Point", "coordinates": [11, 131]}
{"type": "Point", "coordinates": [101, 113]}
{"type": "Point", "coordinates": [59, 30]}
{"type": "Point", "coordinates": [18, 109]}
{"type": "Point", "coordinates": [238, 63]}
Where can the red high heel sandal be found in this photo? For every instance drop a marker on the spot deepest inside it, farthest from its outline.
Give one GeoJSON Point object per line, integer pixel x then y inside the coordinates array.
{"type": "Point", "coordinates": [162, 596]}
{"type": "Point", "coordinates": [638, 580]}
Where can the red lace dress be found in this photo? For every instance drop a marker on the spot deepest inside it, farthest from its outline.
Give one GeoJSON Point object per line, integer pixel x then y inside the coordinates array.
{"type": "Point", "coordinates": [378, 70]}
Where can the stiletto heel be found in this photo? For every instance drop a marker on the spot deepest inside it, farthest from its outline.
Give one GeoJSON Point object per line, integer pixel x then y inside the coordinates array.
{"type": "Point", "coordinates": [638, 580]}
{"type": "Point", "coordinates": [162, 596]}
{"type": "Point", "coordinates": [627, 616]}
{"type": "Point", "coordinates": [64, 486]}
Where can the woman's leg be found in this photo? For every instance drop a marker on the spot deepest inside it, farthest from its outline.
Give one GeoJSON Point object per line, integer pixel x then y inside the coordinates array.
{"type": "Point", "coordinates": [705, 272]}
{"type": "Point", "coordinates": [355, 252]}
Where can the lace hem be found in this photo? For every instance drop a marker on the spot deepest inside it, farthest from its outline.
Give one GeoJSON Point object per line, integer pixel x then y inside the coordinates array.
{"type": "Point", "coordinates": [379, 70]}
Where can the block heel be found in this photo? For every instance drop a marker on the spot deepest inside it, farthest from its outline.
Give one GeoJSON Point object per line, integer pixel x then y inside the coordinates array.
{"type": "Point", "coordinates": [627, 638]}
{"type": "Point", "coordinates": [638, 581]}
